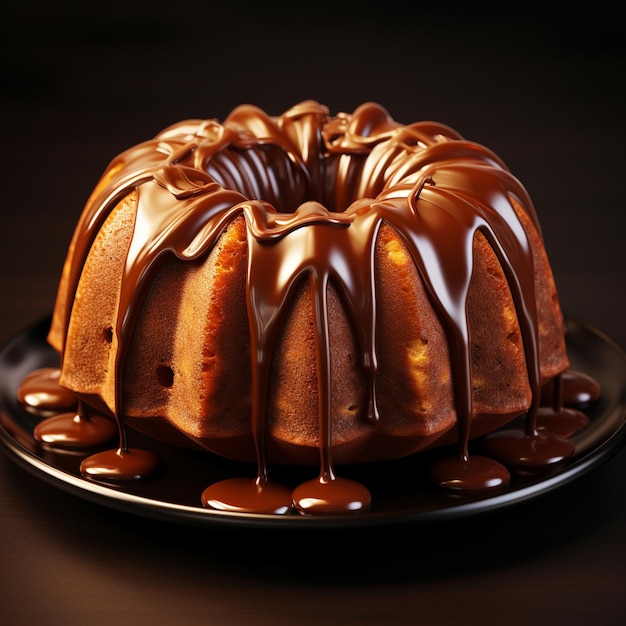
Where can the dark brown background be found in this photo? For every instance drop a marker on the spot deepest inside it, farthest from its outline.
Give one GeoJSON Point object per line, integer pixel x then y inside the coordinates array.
{"type": "Point", "coordinates": [544, 89]}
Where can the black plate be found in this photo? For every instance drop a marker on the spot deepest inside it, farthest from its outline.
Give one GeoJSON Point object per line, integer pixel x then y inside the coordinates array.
{"type": "Point", "coordinates": [400, 490]}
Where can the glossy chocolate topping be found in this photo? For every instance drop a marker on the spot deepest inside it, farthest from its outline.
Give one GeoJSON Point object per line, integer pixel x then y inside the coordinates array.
{"type": "Point", "coordinates": [41, 390]}
{"type": "Point", "coordinates": [314, 190]}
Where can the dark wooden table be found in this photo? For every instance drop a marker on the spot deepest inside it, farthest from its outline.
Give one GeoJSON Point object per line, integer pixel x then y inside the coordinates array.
{"type": "Point", "coordinates": [548, 96]}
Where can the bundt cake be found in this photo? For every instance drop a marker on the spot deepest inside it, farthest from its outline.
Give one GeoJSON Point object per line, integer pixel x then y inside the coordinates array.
{"type": "Point", "coordinates": [308, 289]}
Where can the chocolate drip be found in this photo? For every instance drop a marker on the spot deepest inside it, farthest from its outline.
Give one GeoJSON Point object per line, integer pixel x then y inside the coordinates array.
{"type": "Point", "coordinates": [75, 429]}
{"type": "Point", "coordinates": [563, 420]}
{"type": "Point", "coordinates": [314, 191]}
{"type": "Point", "coordinates": [570, 389]}
{"type": "Point", "coordinates": [67, 424]}
{"type": "Point", "coordinates": [40, 391]}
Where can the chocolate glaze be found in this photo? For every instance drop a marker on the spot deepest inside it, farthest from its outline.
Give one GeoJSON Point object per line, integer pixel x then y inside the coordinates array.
{"type": "Point", "coordinates": [248, 495]}
{"type": "Point", "coordinates": [41, 390]}
{"type": "Point", "coordinates": [313, 191]}
{"type": "Point", "coordinates": [75, 430]}
{"type": "Point", "coordinates": [469, 474]}
{"type": "Point", "coordinates": [570, 389]}
{"type": "Point", "coordinates": [120, 464]}
{"type": "Point", "coordinates": [554, 416]}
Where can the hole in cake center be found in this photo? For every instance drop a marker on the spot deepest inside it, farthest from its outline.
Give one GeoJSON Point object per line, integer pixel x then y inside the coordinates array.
{"type": "Point", "coordinates": [267, 173]}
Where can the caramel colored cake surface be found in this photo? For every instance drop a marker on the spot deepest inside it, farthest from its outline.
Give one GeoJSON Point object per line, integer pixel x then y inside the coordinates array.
{"type": "Point", "coordinates": [308, 289]}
